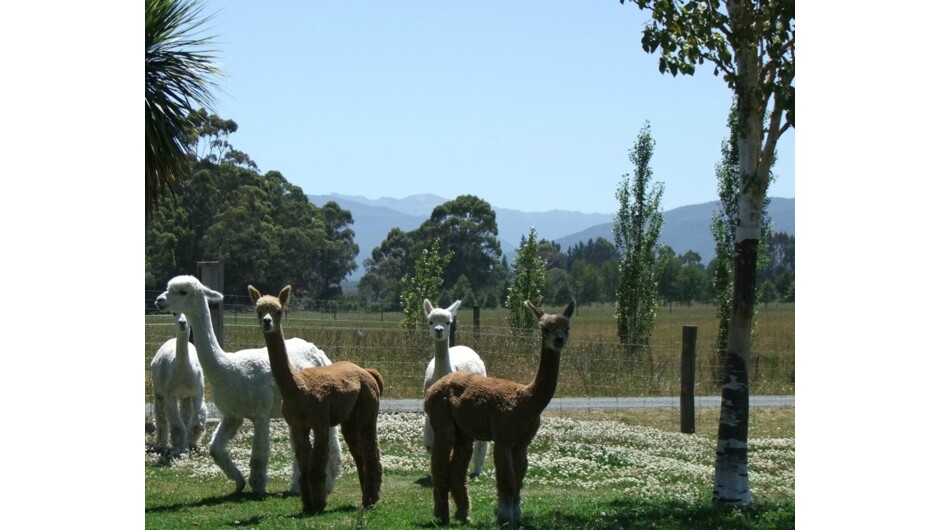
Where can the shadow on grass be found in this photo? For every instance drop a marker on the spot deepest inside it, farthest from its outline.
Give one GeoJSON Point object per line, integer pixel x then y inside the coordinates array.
{"type": "Point", "coordinates": [639, 514]}
{"type": "Point", "coordinates": [425, 481]}
{"type": "Point", "coordinates": [235, 498]}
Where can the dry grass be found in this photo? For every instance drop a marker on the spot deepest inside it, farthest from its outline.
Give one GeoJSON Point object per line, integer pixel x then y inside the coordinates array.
{"type": "Point", "coordinates": [594, 363]}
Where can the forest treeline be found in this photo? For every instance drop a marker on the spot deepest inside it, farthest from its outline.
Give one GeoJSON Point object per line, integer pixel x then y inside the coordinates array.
{"type": "Point", "coordinates": [268, 234]}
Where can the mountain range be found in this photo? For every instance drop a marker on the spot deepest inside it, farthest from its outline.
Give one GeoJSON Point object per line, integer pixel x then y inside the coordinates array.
{"type": "Point", "coordinates": [684, 228]}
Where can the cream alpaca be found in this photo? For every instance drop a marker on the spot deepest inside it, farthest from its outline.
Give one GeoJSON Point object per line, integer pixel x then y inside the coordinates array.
{"type": "Point", "coordinates": [242, 386]}
{"type": "Point", "coordinates": [449, 359]}
{"type": "Point", "coordinates": [318, 398]}
{"type": "Point", "coordinates": [463, 407]}
{"type": "Point", "coordinates": [178, 392]}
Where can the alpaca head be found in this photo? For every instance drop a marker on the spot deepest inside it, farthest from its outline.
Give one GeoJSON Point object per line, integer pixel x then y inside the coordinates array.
{"type": "Point", "coordinates": [270, 309]}
{"type": "Point", "coordinates": [182, 325]}
{"type": "Point", "coordinates": [439, 320]}
{"type": "Point", "coordinates": [186, 294]}
{"type": "Point", "coordinates": [554, 326]}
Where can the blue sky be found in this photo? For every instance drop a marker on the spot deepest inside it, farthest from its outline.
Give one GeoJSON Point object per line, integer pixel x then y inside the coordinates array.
{"type": "Point", "coordinates": [528, 105]}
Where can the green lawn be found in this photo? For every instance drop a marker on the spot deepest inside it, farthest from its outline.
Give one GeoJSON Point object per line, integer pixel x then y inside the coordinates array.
{"type": "Point", "coordinates": [586, 471]}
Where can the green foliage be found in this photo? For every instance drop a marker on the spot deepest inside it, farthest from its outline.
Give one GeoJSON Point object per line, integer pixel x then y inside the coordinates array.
{"type": "Point", "coordinates": [425, 283]}
{"type": "Point", "coordinates": [465, 227]}
{"type": "Point", "coordinates": [636, 236]}
{"type": "Point", "coordinates": [261, 227]}
{"type": "Point", "coordinates": [528, 283]}
{"type": "Point", "coordinates": [178, 73]}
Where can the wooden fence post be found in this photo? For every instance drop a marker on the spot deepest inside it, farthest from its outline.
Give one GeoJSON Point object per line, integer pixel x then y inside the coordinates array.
{"type": "Point", "coordinates": [212, 275]}
{"type": "Point", "coordinates": [687, 380]}
{"type": "Point", "coordinates": [476, 319]}
{"type": "Point", "coordinates": [453, 331]}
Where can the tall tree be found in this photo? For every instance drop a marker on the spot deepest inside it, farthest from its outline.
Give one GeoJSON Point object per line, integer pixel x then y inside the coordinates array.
{"type": "Point", "coordinates": [753, 44]}
{"type": "Point", "coordinates": [179, 70]}
{"type": "Point", "coordinates": [527, 284]}
{"type": "Point", "coordinates": [386, 268]}
{"type": "Point", "coordinates": [467, 228]}
{"type": "Point", "coordinates": [425, 283]}
{"type": "Point", "coordinates": [636, 236]}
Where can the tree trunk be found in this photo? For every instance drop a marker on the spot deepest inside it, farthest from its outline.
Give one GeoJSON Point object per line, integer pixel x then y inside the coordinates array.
{"type": "Point", "coordinates": [732, 485]}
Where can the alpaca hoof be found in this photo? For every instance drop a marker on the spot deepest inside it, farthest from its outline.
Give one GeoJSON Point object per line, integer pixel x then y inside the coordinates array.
{"type": "Point", "coordinates": [314, 509]}
{"type": "Point", "coordinates": [474, 475]}
{"type": "Point", "coordinates": [239, 486]}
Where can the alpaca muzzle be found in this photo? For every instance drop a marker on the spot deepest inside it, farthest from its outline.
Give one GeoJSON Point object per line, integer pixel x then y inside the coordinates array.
{"type": "Point", "coordinates": [161, 303]}
{"type": "Point", "coordinates": [267, 323]}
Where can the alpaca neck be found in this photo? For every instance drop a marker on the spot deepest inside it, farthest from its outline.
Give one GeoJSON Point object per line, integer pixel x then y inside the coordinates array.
{"type": "Point", "coordinates": [542, 389]}
{"type": "Point", "coordinates": [280, 366]}
{"type": "Point", "coordinates": [182, 348]}
{"type": "Point", "coordinates": [210, 353]}
{"type": "Point", "coordinates": [442, 358]}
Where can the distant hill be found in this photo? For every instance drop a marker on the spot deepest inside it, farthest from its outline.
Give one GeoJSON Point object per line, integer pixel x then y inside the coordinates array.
{"type": "Point", "coordinates": [688, 227]}
{"type": "Point", "coordinates": [684, 228]}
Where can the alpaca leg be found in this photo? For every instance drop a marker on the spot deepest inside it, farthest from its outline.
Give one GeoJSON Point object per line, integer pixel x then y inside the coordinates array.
{"type": "Point", "coordinates": [428, 435]}
{"type": "Point", "coordinates": [197, 426]}
{"type": "Point", "coordinates": [363, 441]}
{"type": "Point", "coordinates": [440, 472]}
{"type": "Point", "coordinates": [520, 461]}
{"type": "Point", "coordinates": [335, 463]}
{"type": "Point", "coordinates": [479, 457]}
{"type": "Point", "coordinates": [159, 420]}
{"type": "Point", "coordinates": [300, 439]}
{"type": "Point", "coordinates": [260, 454]}
{"type": "Point", "coordinates": [179, 434]}
{"type": "Point", "coordinates": [316, 469]}
{"type": "Point", "coordinates": [218, 449]}
{"type": "Point", "coordinates": [505, 482]}
{"type": "Point", "coordinates": [460, 459]}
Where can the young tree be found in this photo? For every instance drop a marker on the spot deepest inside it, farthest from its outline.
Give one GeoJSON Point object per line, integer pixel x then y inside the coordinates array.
{"type": "Point", "coordinates": [426, 283]}
{"type": "Point", "coordinates": [753, 43]}
{"type": "Point", "coordinates": [636, 236]}
{"type": "Point", "coordinates": [529, 270]}
{"type": "Point", "coordinates": [178, 73]}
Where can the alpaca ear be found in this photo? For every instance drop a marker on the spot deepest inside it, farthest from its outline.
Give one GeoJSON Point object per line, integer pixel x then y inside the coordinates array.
{"type": "Point", "coordinates": [535, 309]}
{"type": "Point", "coordinates": [569, 310]}
{"type": "Point", "coordinates": [212, 296]}
{"type": "Point", "coordinates": [284, 296]}
{"type": "Point", "coordinates": [428, 307]}
{"type": "Point", "coordinates": [453, 308]}
{"type": "Point", "coordinates": [253, 294]}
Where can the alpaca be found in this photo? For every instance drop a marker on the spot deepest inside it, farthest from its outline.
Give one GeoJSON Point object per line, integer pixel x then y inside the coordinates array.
{"type": "Point", "coordinates": [318, 398]}
{"type": "Point", "coordinates": [242, 386]}
{"type": "Point", "coordinates": [178, 391]}
{"type": "Point", "coordinates": [449, 359]}
{"type": "Point", "coordinates": [464, 407]}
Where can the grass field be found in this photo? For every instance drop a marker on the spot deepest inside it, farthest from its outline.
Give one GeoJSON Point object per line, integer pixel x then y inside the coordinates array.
{"type": "Point", "coordinates": [628, 469]}
{"type": "Point", "coordinates": [587, 471]}
{"type": "Point", "coordinates": [593, 363]}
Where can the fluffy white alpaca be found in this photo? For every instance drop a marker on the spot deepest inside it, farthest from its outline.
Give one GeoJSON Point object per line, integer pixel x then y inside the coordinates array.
{"type": "Point", "coordinates": [242, 386]}
{"type": "Point", "coordinates": [449, 359]}
{"type": "Point", "coordinates": [178, 390]}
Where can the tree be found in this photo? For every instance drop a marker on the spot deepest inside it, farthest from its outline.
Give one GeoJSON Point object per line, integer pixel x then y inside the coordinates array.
{"type": "Point", "coordinates": [753, 44]}
{"type": "Point", "coordinates": [178, 74]}
{"type": "Point", "coordinates": [466, 227]}
{"type": "Point", "coordinates": [636, 235]}
{"type": "Point", "coordinates": [425, 283]}
{"type": "Point", "coordinates": [387, 266]}
{"type": "Point", "coordinates": [527, 284]}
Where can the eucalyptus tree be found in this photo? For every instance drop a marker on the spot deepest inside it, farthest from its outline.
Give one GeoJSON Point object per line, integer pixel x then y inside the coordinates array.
{"type": "Point", "coordinates": [179, 71]}
{"type": "Point", "coordinates": [752, 43]}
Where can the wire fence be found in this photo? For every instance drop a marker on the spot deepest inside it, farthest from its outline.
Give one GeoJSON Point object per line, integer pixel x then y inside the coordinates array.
{"type": "Point", "coordinates": [593, 365]}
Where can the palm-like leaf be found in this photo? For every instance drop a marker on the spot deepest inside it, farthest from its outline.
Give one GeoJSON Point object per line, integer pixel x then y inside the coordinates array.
{"type": "Point", "coordinates": [179, 72]}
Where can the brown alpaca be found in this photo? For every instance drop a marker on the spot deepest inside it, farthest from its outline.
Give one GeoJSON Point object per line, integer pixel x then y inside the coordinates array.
{"type": "Point", "coordinates": [319, 398]}
{"type": "Point", "coordinates": [463, 407]}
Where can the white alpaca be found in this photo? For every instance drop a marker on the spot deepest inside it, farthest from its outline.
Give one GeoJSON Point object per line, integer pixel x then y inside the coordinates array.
{"type": "Point", "coordinates": [242, 386]}
{"type": "Point", "coordinates": [449, 359]}
{"type": "Point", "coordinates": [178, 391]}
